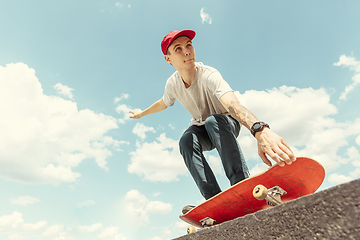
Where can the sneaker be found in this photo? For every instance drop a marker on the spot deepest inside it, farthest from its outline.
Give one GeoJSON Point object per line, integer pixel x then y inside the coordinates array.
{"type": "Point", "coordinates": [187, 209]}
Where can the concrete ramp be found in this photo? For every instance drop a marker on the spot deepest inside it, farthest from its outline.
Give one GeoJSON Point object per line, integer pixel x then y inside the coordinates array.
{"type": "Point", "coordinates": [330, 214]}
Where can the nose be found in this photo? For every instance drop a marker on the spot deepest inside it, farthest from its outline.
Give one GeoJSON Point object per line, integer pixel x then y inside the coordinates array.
{"type": "Point", "coordinates": [187, 52]}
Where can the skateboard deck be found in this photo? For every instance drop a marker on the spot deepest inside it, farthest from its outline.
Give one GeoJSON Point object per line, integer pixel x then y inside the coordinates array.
{"type": "Point", "coordinates": [302, 177]}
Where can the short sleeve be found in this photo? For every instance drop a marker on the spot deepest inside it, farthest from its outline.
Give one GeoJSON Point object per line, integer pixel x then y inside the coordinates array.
{"type": "Point", "coordinates": [218, 85]}
{"type": "Point", "coordinates": [168, 99]}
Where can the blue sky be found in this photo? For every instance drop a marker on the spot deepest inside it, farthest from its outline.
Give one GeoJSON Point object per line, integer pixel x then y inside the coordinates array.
{"type": "Point", "coordinates": [74, 166]}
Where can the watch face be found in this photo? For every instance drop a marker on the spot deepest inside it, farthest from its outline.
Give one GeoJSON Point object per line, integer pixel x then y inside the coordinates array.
{"type": "Point", "coordinates": [257, 126]}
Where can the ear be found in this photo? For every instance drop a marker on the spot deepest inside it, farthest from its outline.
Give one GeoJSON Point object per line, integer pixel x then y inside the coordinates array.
{"type": "Point", "coordinates": [167, 59]}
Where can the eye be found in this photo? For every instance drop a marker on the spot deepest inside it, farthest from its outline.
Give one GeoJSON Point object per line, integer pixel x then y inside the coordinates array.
{"type": "Point", "coordinates": [177, 49]}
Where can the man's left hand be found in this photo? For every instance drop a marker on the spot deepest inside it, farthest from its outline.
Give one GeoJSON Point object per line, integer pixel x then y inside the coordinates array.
{"type": "Point", "coordinates": [271, 144]}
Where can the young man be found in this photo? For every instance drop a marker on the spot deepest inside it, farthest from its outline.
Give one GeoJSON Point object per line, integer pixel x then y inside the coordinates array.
{"type": "Point", "coordinates": [217, 117]}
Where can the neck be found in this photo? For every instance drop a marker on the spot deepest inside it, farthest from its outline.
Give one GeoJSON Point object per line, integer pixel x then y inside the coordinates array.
{"type": "Point", "coordinates": [188, 76]}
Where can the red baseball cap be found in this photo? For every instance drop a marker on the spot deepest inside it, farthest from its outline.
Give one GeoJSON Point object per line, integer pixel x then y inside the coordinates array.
{"type": "Point", "coordinates": [171, 36]}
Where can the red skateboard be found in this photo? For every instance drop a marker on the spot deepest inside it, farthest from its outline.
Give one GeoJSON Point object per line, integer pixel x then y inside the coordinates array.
{"type": "Point", "coordinates": [272, 187]}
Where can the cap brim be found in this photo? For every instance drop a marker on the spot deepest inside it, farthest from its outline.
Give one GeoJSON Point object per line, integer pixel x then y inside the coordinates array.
{"type": "Point", "coordinates": [188, 33]}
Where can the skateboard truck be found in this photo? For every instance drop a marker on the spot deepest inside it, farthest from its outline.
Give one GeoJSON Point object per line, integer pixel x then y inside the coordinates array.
{"type": "Point", "coordinates": [207, 222]}
{"type": "Point", "coordinates": [272, 195]}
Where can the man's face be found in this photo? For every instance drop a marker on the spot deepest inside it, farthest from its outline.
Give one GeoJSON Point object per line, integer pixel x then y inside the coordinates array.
{"type": "Point", "coordinates": [181, 54]}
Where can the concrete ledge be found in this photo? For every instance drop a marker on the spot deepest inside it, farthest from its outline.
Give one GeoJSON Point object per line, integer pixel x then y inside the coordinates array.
{"type": "Point", "coordinates": [330, 214]}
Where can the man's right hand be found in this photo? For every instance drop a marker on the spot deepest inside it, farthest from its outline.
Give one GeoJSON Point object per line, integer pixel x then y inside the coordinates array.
{"type": "Point", "coordinates": [136, 113]}
{"type": "Point", "coordinates": [154, 108]}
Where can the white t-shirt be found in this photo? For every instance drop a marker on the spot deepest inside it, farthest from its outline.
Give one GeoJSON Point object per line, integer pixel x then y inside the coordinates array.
{"type": "Point", "coordinates": [201, 99]}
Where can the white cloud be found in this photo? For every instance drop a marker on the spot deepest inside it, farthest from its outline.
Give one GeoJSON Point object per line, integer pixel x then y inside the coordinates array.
{"type": "Point", "coordinates": [90, 229]}
{"type": "Point", "coordinates": [156, 194]}
{"type": "Point", "coordinates": [205, 17]}
{"type": "Point", "coordinates": [258, 168]}
{"type": "Point", "coordinates": [353, 153]}
{"type": "Point", "coordinates": [86, 203]}
{"type": "Point", "coordinates": [56, 232]}
{"type": "Point", "coordinates": [140, 130]}
{"type": "Point", "coordinates": [14, 237]}
{"type": "Point", "coordinates": [34, 227]}
{"type": "Point", "coordinates": [356, 173]}
{"type": "Point", "coordinates": [138, 207]}
{"type": "Point", "coordinates": [135, 203]}
{"type": "Point", "coordinates": [64, 90]}
{"type": "Point", "coordinates": [12, 221]}
{"type": "Point", "coordinates": [53, 230]}
{"type": "Point", "coordinates": [57, 173]}
{"type": "Point", "coordinates": [180, 226]}
{"type": "Point", "coordinates": [215, 163]}
{"type": "Point", "coordinates": [24, 200]}
{"type": "Point", "coordinates": [336, 178]}
{"type": "Point", "coordinates": [155, 238]}
{"type": "Point", "coordinates": [123, 96]}
{"type": "Point", "coordinates": [158, 161]}
{"type": "Point", "coordinates": [125, 110]}
{"type": "Point", "coordinates": [64, 236]}
{"type": "Point", "coordinates": [300, 116]}
{"type": "Point", "coordinates": [111, 233]}
{"type": "Point", "coordinates": [15, 222]}
{"type": "Point", "coordinates": [354, 66]}
{"type": "Point", "coordinates": [46, 136]}
{"type": "Point", "coordinates": [120, 5]}
{"type": "Point", "coordinates": [157, 207]}
{"type": "Point", "coordinates": [348, 62]}
{"type": "Point", "coordinates": [136, 198]}
{"type": "Point", "coordinates": [305, 119]}
{"type": "Point", "coordinates": [358, 140]}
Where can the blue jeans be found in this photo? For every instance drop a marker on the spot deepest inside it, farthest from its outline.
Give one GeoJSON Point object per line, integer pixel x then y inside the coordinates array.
{"type": "Point", "coordinates": [220, 132]}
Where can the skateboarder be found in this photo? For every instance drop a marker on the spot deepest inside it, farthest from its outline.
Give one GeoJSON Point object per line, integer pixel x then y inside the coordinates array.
{"type": "Point", "coordinates": [217, 116]}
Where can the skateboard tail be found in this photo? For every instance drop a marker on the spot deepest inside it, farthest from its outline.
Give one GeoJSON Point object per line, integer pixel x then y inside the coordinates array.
{"type": "Point", "coordinates": [191, 221]}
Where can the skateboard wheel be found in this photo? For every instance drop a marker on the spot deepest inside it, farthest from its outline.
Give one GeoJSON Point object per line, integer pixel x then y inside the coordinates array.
{"type": "Point", "coordinates": [260, 192]}
{"type": "Point", "coordinates": [191, 229]}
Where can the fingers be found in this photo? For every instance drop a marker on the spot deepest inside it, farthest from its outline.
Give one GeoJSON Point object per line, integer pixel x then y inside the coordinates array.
{"type": "Point", "coordinates": [280, 153]}
{"type": "Point", "coordinates": [132, 116]}
{"type": "Point", "coordinates": [265, 159]}
{"type": "Point", "coordinates": [288, 151]}
{"type": "Point", "coordinates": [286, 154]}
{"type": "Point", "coordinates": [281, 156]}
{"type": "Point", "coordinates": [273, 155]}
{"type": "Point", "coordinates": [136, 113]}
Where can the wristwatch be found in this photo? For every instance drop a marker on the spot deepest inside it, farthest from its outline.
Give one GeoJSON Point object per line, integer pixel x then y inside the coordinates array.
{"type": "Point", "coordinates": [257, 127]}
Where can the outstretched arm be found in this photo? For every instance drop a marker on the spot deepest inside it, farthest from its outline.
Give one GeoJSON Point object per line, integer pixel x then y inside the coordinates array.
{"type": "Point", "coordinates": [154, 108]}
{"type": "Point", "coordinates": [268, 142]}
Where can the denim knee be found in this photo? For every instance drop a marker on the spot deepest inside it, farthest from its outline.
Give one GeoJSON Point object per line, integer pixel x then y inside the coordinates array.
{"type": "Point", "coordinates": [220, 122]}
{"type": "Point", "coordinates": [213, 120]}
{"type": "Point", "coordinates": [186, 143]}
